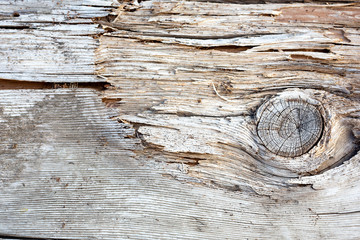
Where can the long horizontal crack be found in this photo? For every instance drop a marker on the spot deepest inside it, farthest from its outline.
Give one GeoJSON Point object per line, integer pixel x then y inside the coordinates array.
{"type": "Point", "coordinates": [9, 236]}
{"type": "Point", "coordinates": [14, 84]}
{"type": "Point", "coordinates": [337, 213]}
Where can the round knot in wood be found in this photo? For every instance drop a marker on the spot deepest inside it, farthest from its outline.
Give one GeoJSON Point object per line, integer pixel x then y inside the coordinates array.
{"type": "Point", "coordinates": [289, 127]}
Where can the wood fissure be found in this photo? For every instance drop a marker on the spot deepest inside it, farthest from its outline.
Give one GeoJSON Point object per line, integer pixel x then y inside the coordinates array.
{"type": "Point", "coordinates": [13, 84]}
{"type": "Point", "coordinates": [15, 237]}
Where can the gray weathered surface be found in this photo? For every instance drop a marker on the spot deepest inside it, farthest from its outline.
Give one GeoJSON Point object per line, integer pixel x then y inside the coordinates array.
{"type": "Point", "coordinates": [50, 41]}
{"type": "Point", "coordinates": [289, 127]}
{"type": "Point", "coordinates": [170, 149]}
{"type": "Point", "coordinates": [67, 172]}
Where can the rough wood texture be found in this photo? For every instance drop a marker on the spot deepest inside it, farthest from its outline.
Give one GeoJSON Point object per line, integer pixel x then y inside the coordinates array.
{"type": "Point", "coordinates": [67, 172]}
{"type": "Point", "coordinates": [190, 77]}
{"type": "Point", "coordinates": [170, 150]}
{"type": "Point", "coordinates": [289, 127]}
{"type": "Point", "coordinates": [50, 41]}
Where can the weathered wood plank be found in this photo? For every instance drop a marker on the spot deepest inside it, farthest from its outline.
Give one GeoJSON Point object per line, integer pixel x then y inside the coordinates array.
{"type": "Point", "coordinates": [68, 171]}
{"type": "Point", "coordinates": [191, 84]}
{"type": "Point", "coordinates": [50, 41]}
{"type": "Point", "coordinates": [190, 76]}
{"type": "Point", "coordinates": [170, 150]}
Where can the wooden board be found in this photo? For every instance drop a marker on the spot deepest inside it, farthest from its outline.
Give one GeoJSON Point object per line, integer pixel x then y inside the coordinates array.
{"type": "Point", "coordinates": [50, 41]}
{"type": "Point", "coordinates": [170, 150]}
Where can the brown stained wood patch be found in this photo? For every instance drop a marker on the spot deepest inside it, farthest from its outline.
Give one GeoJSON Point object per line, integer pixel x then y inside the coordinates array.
{"type": "Point", "coordinates": [336, 15]}
{"type": "Point", "coordinates": [112, 102]}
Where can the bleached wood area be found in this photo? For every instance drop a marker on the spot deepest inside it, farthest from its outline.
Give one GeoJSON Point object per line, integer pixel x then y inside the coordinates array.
{"type": "Point", "coordinates": [50, 40]}
{"type": "Point", "coordinates": [165, 146]}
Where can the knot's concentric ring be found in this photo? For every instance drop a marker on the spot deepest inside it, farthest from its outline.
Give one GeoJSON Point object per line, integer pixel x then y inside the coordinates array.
{"type": "Point", "coordinates": [289, 127]}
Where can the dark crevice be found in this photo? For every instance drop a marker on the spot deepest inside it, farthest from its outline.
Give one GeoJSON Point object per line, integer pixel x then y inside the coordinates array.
{"type": "Point", "coordinates": [14, 84]}
{"type": "Point", "coordinates": [229, 49]}
{"type": "Point", "coordinates": [9, 236]}
{"type": "Point", "coordinates": [140, 136]}
{"type": "Point", "coordinates": [338, 213]}
{"type": "Point", "coordinates": [344, 44]}
{"type": "Point", "coordinates": [190, 114]}
{"type": "Point", "coordinates": [107, 18]}
{"type": "Point", "coordinates": [320, 50]}
{"type": "Point", "coordinates": [267, 15]}
{"type": "Point", "coordinates": [342, 160]}
{"type": "Point", "coordinates": [204, 37]}
{"type": "Point", "coordinates": [301, 57]}
{"type": "Point", "coordinates": [16, 14]}
{"type": "Point", "coordinates": [112, 102]}
{"type": "Point", "coordinates": [15, 27]}
{"type": "Point", "coordinates": [187, 158]}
